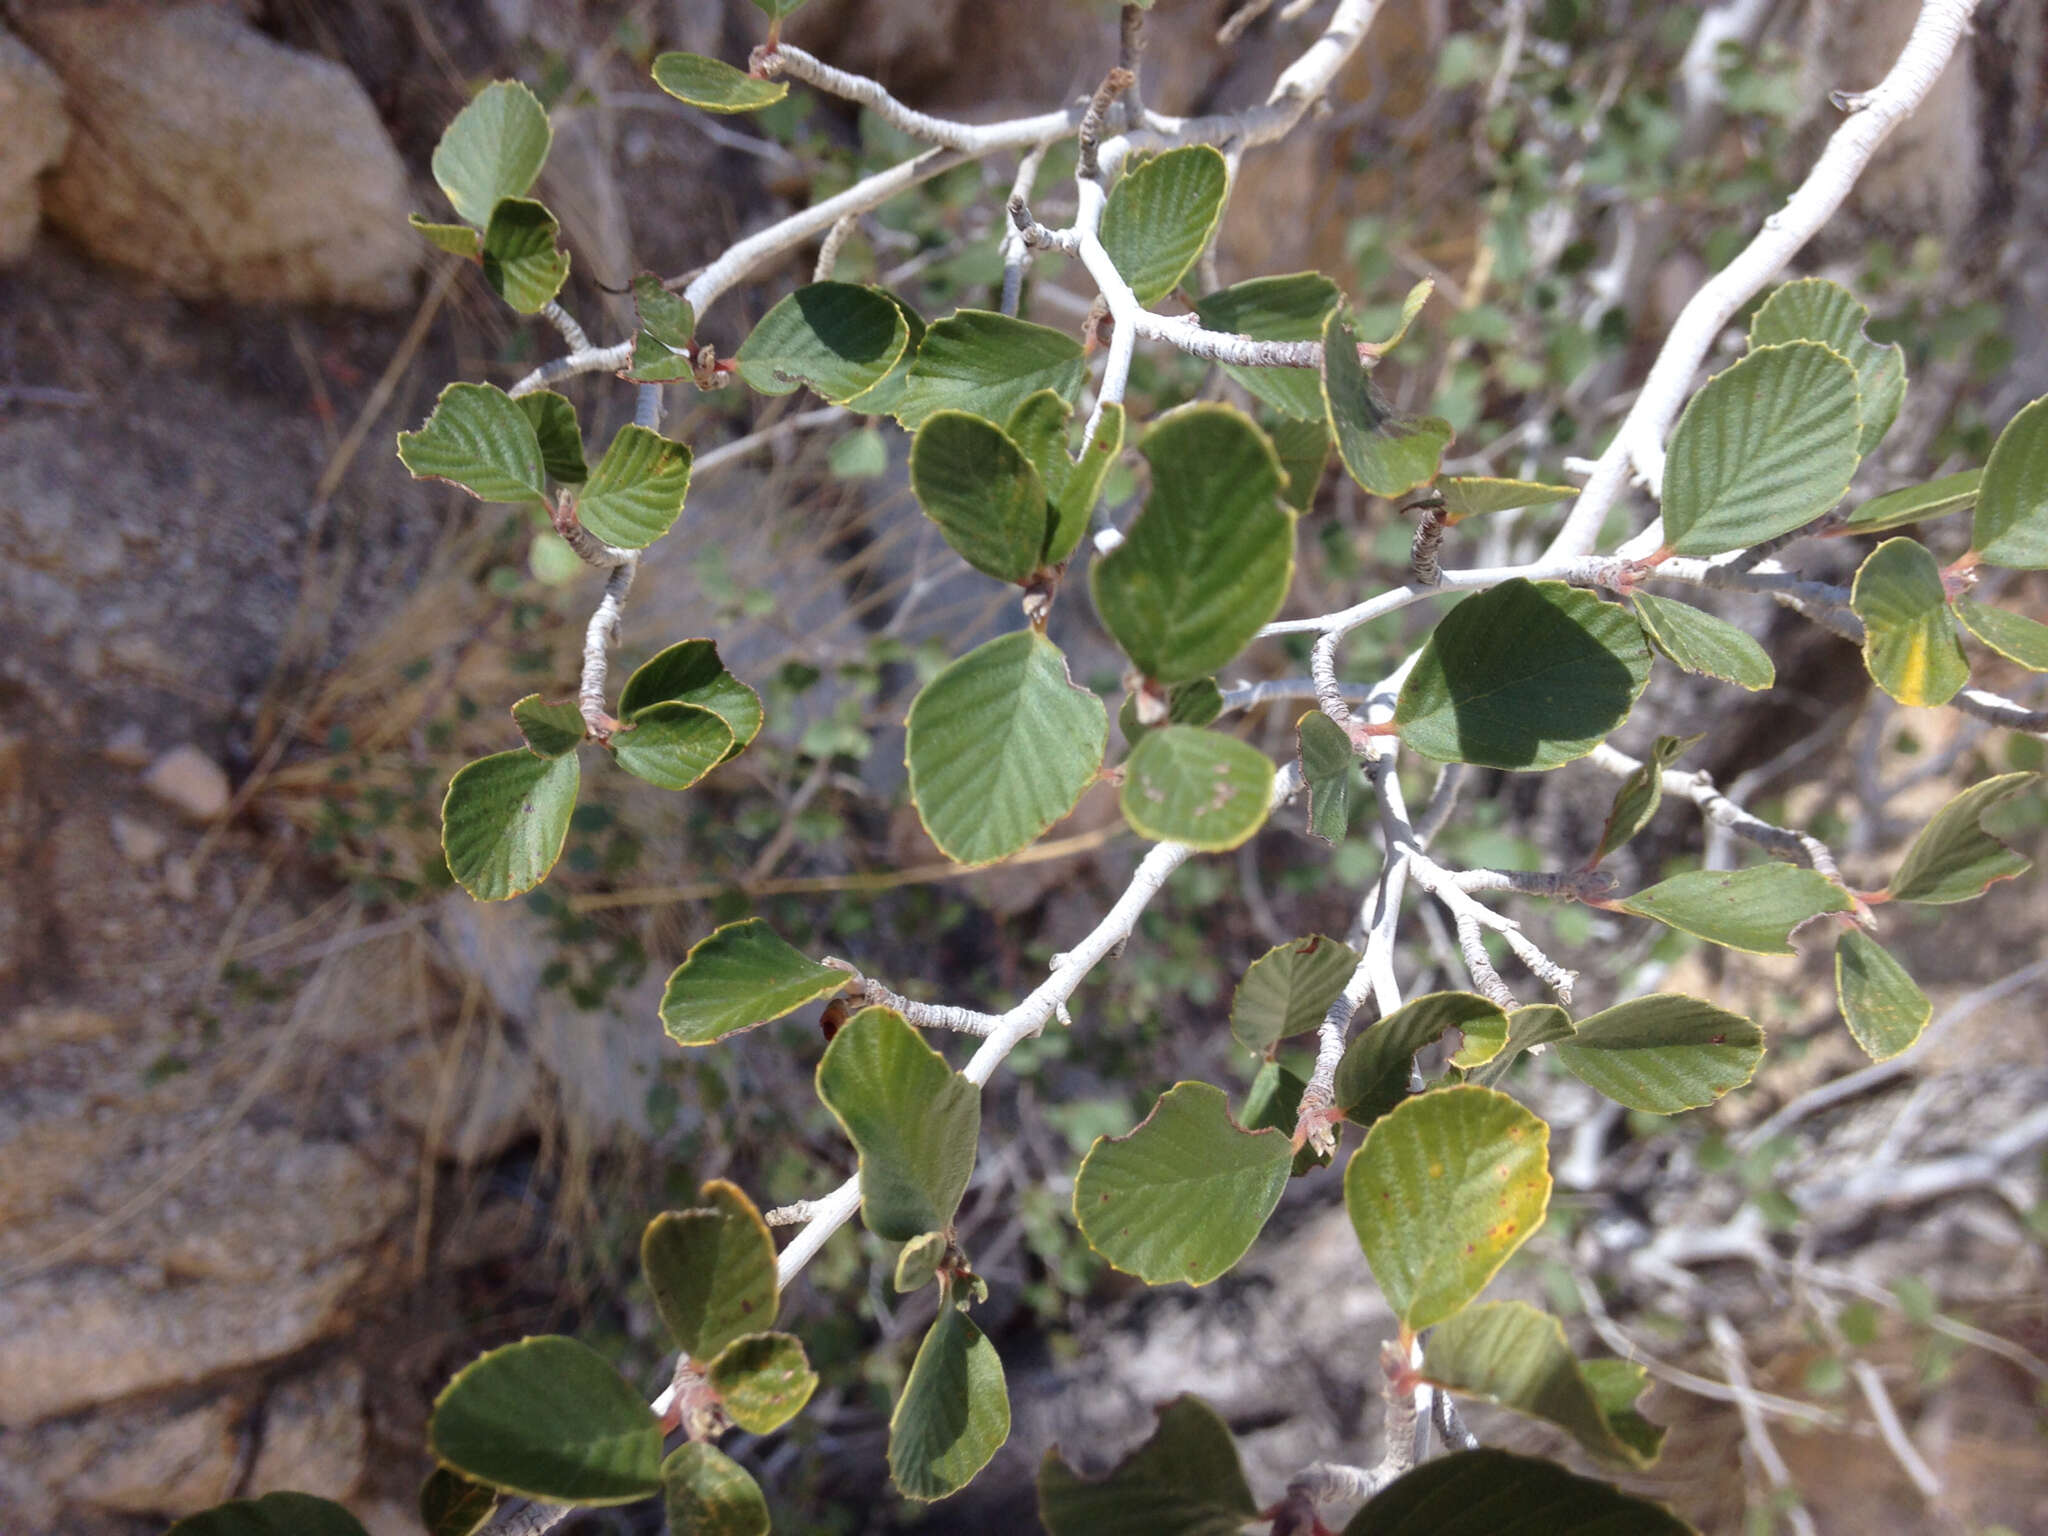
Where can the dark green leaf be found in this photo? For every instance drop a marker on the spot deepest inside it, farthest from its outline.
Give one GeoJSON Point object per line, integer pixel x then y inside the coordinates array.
{"type": "Point", "coordinates": [275, 1514]}
{"type": "Point", "coordinates": [913, 1120]}
{"type": "Point", "coordinates": [451, 1505]}
{"type": "Point", "coordinates": [711, 1271]}
{"type": "Point", "coordinates": [522, 263]}
{"type": "Point", "coordinates": [1496, 1493]}
{"type": "Point", "coordinates": [1288, 989]}
{"type": "Point", "coordinates": [1954, 858]}
{"type": "Point", "coordinates": [954, 1413]}
{"type": "Point", "coordinates": [1911, 504]}
{"type": "Point", "coordinates": [1387, 453]}
{"type": "Point", "coordinates": [840, 339]}
{"type": "Point", "coordinates": [1185, 1480]}
{"type": "Point", "coordinates": [1882, 1005]}
{"type": "Point", "coordinates": [494, 149]}
{"type": "Point", "coordinates": [883, 396]}
{"type": "Point", "coordinates": [1373, 1075]}
{"type": "Point", "coordinates": [2012, 635]}
{"type": "Point", "coordinates": [482, 441]}
{"type": "Point", "coordinates": [987, 365]}
{"type": "Point", "coordinates": [741, 975]}
{"type": "Point", "coordinates": [637, 490]}
{"type": "Point", "coordinates": [1289, 308]}
{"type": "Point", "coordinates": [714, 84]}
{"type": "Point", "coordinates": [1640, 794]}
{"type": "Point", "coordinates": [1197, 787]}
{"type": "Point", "coordinates": [504, 821]}
{"type": "Point", "coordinates": [1663, 1053]}
{"type": "Point", "coordinates": [1074, 503]}
{"type": "Point", "coordinates": [1698, 642]}
{"type": "Point", "coordinates": [1909, 640]}
{"type": "Point", "coordinates": [984, 494]}
{"type": "Point", "coordinates": [1474, 496]}
{"type": "Point", "coordinates": [2011, 525]}
{"type": "Point", "coordinates": [689, 672]}
{"type": "Point", "coordinates": [551, 730]}
{"type": "Point", "coordinates": [1326, 757]}
{"type": "Point", "coordinates": [1160, 216]}
{"type": "Point", "coordinates": [1273, 1103]}
{"type": "Point", "coordinates": [1752, 909]}
{"type": "Point", "coordinates": [1814, 309]}
{"type": "Point", "coordinates": [672, 746]}
{"type": "Point", "coordinates": [706, 1493]}
{"type": "Point", "coordinates": [1304, 451]}
{"type": "Point", "coordinates": [561, 442]}
{"type": "Point", "coordinates": [764, 1380]}
{"type": "Point", "coordinates": [664, 316]}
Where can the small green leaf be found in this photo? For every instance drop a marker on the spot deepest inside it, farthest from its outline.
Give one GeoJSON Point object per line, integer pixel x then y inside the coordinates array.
{"type": "Point", "coordinates": [1209, 560]}
{"type": "Point", "coordinates": [1303, 448]}
{"type": "Point", "coordinates": [1640, 794]}
{"type": "Point", "coordinates": [2012, 635]}
{"type": "Point", "coordinates": [2011, 525]}
{"type": "Point", "coordinates": [1160, 216]}
{"type": "Point", "coordinates": [1000, 746]}
{"type": "Point", "coordinates": [1182, 1197]}
{"type": "Point", "coordinates": [1524, 675]}
{"type": "Point", "coordinates": [548, 1418]}
{"type": "Point", "coordinates": [1485, 1038]}
{"type": "Point", "coordinates": [1186, 1480]}
{"type": "Point", "coordinates": [1752, 909]}
{"type": "Point", "coordinates": [1814, 309]}
{"type": "Point", "coordinates": [913, 1120]}
{"type": "Point", "coordinates": [1954, 858]}
{"type": "Point", "coordinates": [954, 1414]}
{"type": "Point", "coordinates": [764, 1380]}
{"type": "Point", "coordinates": [1698, 642]}
{"type": "Point", "coordinates": [455, 239]}
{"type": "Point", "coordinates": [706, 1493]}
{"type": "Point", "coordinates": [987, 365]}
{"type": "Point", "coordinates": [840, 339]}
{"type": "Point", "coordinates": [714, 84]}
{"type": "Point", "coordinates": [551, 730]}
{"type": "Point", "coordinates": [1373, 1074]}
{"type": "Point", "coordinates": [451, 1505]}
{"type": "Point", "coordinates": [739, 976]}
{"type": "Point", "coordinates": [1411, 306]}
{"type": "Point", "coordinates": [1882, 1005]}
{"type": "Point", "coordinates": [505, 819]}
{"type": "Point", "coordinates": [1074, 503]}
{"type": "Point", "coordinates": [984, 494]}
{"type": "Point", "coordinates": [1288, 989]}
{"type": "Point", "coordinates": [1475, 496]}
{"type": "Point", "coordinates": [918, 1264]}
{"type": "Point", "coordinates": [775, 10]}
{"type": "Point", "coordinates": [1289, 308]}
{"type": "Point", "coordinates": [1663, 1053]}
{"type": "Point", "coordinates": [1326, 756]}
{"type": "Point", "coordinates": [479, 438]}
{"type": "Point", "coordinates": [1496, 1493]}
{"type": "Point", "coordinates": [883, 396]}
{"type": "Point", "coordinates": [1184, 785]}
{"type": "Point", "coordinates": [711, 1271]}
{"type": "Point", "coordinates": [1762, 449]}
{"type": "Point", "coordinates": [1909, 640]}
{"type": "Point", "coordinates": [275, 1514]}
{"type": "Point", "coordinates": [637, 490]}
{"type": "Point", "coordinates": [1273, 1102]}
{"type": "Point", "coordinates": [522, 263]}
{"type": "Point", "coordinates": [1913, 503]}
{"type": "Point", "coordinates": [1537, 1024]}
{"type": "Point", "coordinates": [655, 363]}
{"type": "Point", "coordinates": [666, 317]}
{"type": "Point", "coordinates": [672, 746]}
{"type": "Point", "coordinates": [1387, 453]}
{"type": "Point", "coordinates": [1509, 1353]}
{"type": "Point", "coordinates": [553, 420]}
{"type": "Point", "coordinates": [1445, 1188]}
{"type": "Point", "coordinates": [493, 150]}
{"type": "Point", "coordinates": [859, 455]}
{"type": "Point", "coordinates": [1195, 703]}
{"type": "Point", "coordinates": [689, 672]}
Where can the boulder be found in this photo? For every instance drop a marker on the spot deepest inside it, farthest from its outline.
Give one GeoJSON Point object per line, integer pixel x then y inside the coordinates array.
{"type": "Point", "coordinates": [32, 106]}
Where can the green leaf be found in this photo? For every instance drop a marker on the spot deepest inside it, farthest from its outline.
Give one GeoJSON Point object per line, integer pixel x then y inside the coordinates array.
{"type": "Point", "coordinates": [1508, 1353]}
{"type": "Point", "coordinates": [1485, 1038]}
{"type": "Point", "coordinates": [775, 10]}
{"type": "Point", "coordinates": [1289, 308]}
{"type": "Point", "coordinates": [1387, 453]}
{"type": "Point", "coordinates": [2011, 525]}
{"type": "Point", "coordinates": [1909, 640]}
{"type": "Point", "coordinates": [1524, 675]}
{"type": "Point", "coordinates": [551, 730]}
{"type": "Point", "coordinates": [1000, 746]}
{"type": "Point", "coordinates": [764, 1380]}
{"type": "Point", "coordinates": [1195, 703]}
{"type": "Point", "coordinates": [1752, 909]}
{"type": "Point", "coordinates": [739, 976]}
{"type": "Point", "coordinates": [1186, 1480]}
{"type": "Point", "coordinates": [987, 365]}
{"type": "Point", "coordinates": [1913, 503]}
{"type": "Point", "coordinates": [455, 239]}
{"type": "Point", "coordinates": [480, 439]}
{"type": "Point", "coordinates": [1304, 451]}
{"type": "Point", "coordinates": [1184, 785]}
{"type": "Point", "coordinates": [954, 1414]}
{"type": "Point", "coordinates": [984, 494]}
{"type": "Point", "coordinates": [1273, 1102]}
{"type": "Point", "coordinates": [548, 1418]}
{"type": "Point", "coordinates": [1762, 449]}
{"type": "Point", "coordinates": [1373, 1074]}
{"type": "Point", "coordinates": [672, 746]}
{"type": "Point", "coordinates": [1640, 794]}
{"type": "Point", "coordinates": [1288, 989]}
{"type": "Point", "coordinates": [1954, 858]}
{"type": "Point", "coordinates": [451, 1505]}
{"type": "Point", "coordinates": [918, 1264]}
{"type": "Point", "coordinates": [1183, 1196]}
{"type": "Point", "coordinates": [1616, 1385]}
{"type": "Point", "coordinates": [1537, 1024]}
{"type": "Point", "coordinates": [2013, 636]}
{"type": "Point", "coordinates": [553, 420]}
{"type": "Point", "coordinates": [707, 1493]}
{"type": "Point", "coordinates": [522, 263]}
{"type": "Point", "coordinates": [1496, 1493]}
{"type": "Point", "coordinates": [883, 396]}
{"type": "Point", "coordinates": [1411, 306]}
{"type": "Point", "coordinates": [1038, 426]}
{"type": "Point", "coordinates": [1882, 1005]}
{"type": "Point", "coordinates": [275, 1514]}
{"type": "Point", "coordinates": [1814, 309]}
{"type": "Point", "coordinates": [840, 339]}
{"type": "Point", "coordinates": [1160, 216]}
{"type": "Point", "coordinates": [1074, 502]}
{"type": "Point", "coordinates": [1663, 1053]}
{"type": "Point", "coordinates": [1475, 496]}
{"type": "Point", "coordinates": [637, 490]}
{"type": "Point", "coordinates": [711, 1271]}
{"type": "Point", "coordinates": [664, 316]}
{"type": "Point", "coordinates": [494, 149]}
{"type": "Point", "coordinates": [655, 363]}
{"type": "Point", "coordinates": [913, 1120]}
{"type": "Point", "coordinates": [714, 84]}
{"type": "Point", "coordinates": [1208, 561]}
{"type": "Point", "coordinates": [689, 672]}
{"type": "Point", "coordinates": [504, 821]}
{"type": "Point", "coordinates": [1698, 642]}
{"type": "Point", "coordinates": [1326, 756]}
{"type": "Point", "coordinates": [1445, 1188]}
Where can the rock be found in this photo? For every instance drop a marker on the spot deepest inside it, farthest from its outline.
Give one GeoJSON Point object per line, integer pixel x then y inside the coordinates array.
{"type": "Point", "coordinates": [472, 1108]}
{"type": "Point", "coordinates": [151, 1462]}
{"type": "Point", "coordinates": [139, 842]}
{"type": "Point", "coordinates": [189, 782]}
{"type": "Point", "coordinates": [275, 182]}
{"type": "Point", "coordinates": [32, 106]}
{"type": "Point", "coordinates": [314, 1434]}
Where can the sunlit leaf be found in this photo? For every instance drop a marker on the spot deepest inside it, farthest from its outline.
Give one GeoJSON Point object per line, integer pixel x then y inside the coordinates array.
{"type": "Point", "coordinates": [913, 1120]}
{"type": "Point", "coordinates": [1882, 1005]}
{"type": "Point", "coordinates": [1288, 308]}
{"type": "Point", "coordinates": [1954, 858]}
{"type": "Point", "coordinates": [1185, 785]}
{"type": "Point", "coordinates": [1288, 989]}
{"type": "Point", "coordinates": [954, 1413]}
{"type": "Point", "coordinates": [1373, 1075]}
{"type": "Point", "coordinates": [1473, 496]}
{"type": "Point", "coordinates": [479, 438]}
{"type": "Point", "coordinates": [714, 84]}
{"type": "Point", "coordinates": [689, 672]}
{"type": "Point", "coordinates": [494, 149]}
{"type": "Point", "coordinates": [984, 494]}
{"type": "Point", "coordinates": [522, 263]}
{"type": "Point", "coordinates": [764, 1380]}
{"type": "Point", "coordinates": [1160, 216]}
{"type": "Point", "coordinates": [2011, 525]}
{"type": "Point", "coordinates": [1909, 640]}
{"type": "Point", "coordinates": [1698, 642]}
{"type": "Point", "coordinates": [1663, 1053]}
{"type": "Point", "coordinates": [1814, 309]}
{"type": "Point", "coordinates": [1914, 503]}
{"type": "Point", "coordinates": [711, 1271]}
{"type": "Point", "coordinates": [666, 317]}
{"type": "Point", "coordinates": [456, 239]}
{"type": "Point", "coordinates": [672, 745]}
{"type": "Point", "coordinates": [1752, 909]}
{"type": "Point", "coordinates": [551, 730]}
{"type": "Point", "coordinates": [2014, 636]}
{"type": "Point", "coordinates": [505, 819]}
{"type": "Point", "coordinates": [1326, 757]}
{"type": "Point", "coordinates": [987, 365]}
{"type": "Point", "coordinates": [840, 339]}
{"type": "Point", "coordinates": [636, 492]}
{"type": "Point", "coordinates": [739, 976]}
{"type": "Point", "coordinates": [1387, 453]}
